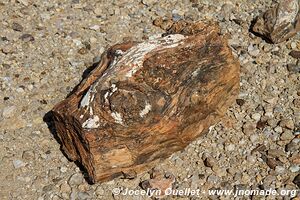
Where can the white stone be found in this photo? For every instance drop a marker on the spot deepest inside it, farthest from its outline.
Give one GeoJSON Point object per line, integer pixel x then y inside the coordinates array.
{"type": "Point", "coordinates": [253, 138]}
{"type": "Point", "coordinates": [230, 147]}
{"type": "Point", "coordinates": [279, 169]}
{"type": "Point", "coordinates": [93, 40]}
{"type": "Point", "coordinates": [278, 129]}
{"type": "Point", "coordinates": [63, 169]}
{"type": "Point", "coordinates": [8, 111]}
{"type": "Point", "coordinates": [95, 27]}
{"type": "Point", "coordinates": [294, 45]}
{"type": "Point", "coordinates": [295, 168]}
{"type": "Point", "coordinates": [20, 90]}
{"type": "Point", "coordinates": [76, 179]}
{"type": "Point", "coordinates": [256, 116]}
{"type": "Point", "coordinates": [18, 163]}
{"type": "Point", "coordinates": [98, 10]}
{"type": "Point", "coordinates": [24, 2]}
{"type": "Point", "coordinates": [253, 51]}
{"type": "Point", "coordinates": [77, 42]}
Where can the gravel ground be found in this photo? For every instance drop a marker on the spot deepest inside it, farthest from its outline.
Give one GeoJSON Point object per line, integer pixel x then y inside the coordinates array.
{"type": "Point", "coordinates": [46, 45]}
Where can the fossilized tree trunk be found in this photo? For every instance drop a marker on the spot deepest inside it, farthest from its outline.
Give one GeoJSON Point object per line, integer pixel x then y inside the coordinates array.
{"type": "Point", "coordinates": [146, 100]}
{"type": "Point", "coordinates": [280, 22]}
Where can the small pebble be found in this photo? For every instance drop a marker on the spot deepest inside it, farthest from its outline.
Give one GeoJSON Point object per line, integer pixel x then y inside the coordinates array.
{"type": "Point", "coordinates": [76, 179]}
{"type": "Point", "coordinates": [56, 197]}
{"type": "Point", "coordinates": [77, 42]}
{"type": "Point", "coordinates": [8, 111]}
{"type": "Point", "coordinates": [176, 17]}
{"type": "Point", "coordinates": [254, 138]}
{"type": "Point", "coordinates": [82, 51]}
{"type": "Point", "coordinates": [295, 54]}
{"type": "Point", "coordinates": [63, 169]}
{"type": "Point", "coordinates": [275, 153]}
{"type": "Point", "coordinates": [240, 102]}
{"type": "Point", "coordinates": [6, 66]}
{"type": "Point", "coordinates": [278, 129]}
{"type": "Point", "coordinates": [272, 163]}
{"type": "Point", "coordinates": [249, 128]}
{"type": "Point", "coordinates": [230, 147]}
{"type": "Point", "coordinates": [27, 37]}
{"type": "Point", "coordinates": [95, 27]}
{"type": "Point", "coordinates": [294, 168]}
{"type": "Point", "coordinates": [24, 2]}
{"type": "Point", "coordinates": [272, 122]}
{"type": "Point", "coordinates": [293, 45]}
{"type": "Point", "coordinates": [65, 188]}
{"type": "Point", "coordinates": [293, 68]}
{"type": "Point", "coordinates": [98, 10]}
{"type": "Point", "coordinates": [209, 161]}
{"type": "Point", "coordinates": [83, 195]}
{"type": "Point", "coordinates": [28, 155]}
{"type": "Point", "coordinates": [287, 135]}
{"type": "Point", "coordinates": [251, 159]}
{"type": "Point", "coordinates": [253, 50]}
{"type": "Point", "coordinates": [48, 188]}
{"type": "Point", "coordinates": [256, 116]}
{"type": "Point", "coordinates": [20, 90]}
{"type": "Point", "coordinates": [93, 40]}
{"type": "Point", "coordinates": [296, 102]}
{"type": "Point", "coordinates": [294, 145]}
{"type": "Point", "coordinates": [212, 179]}
{"type": "Point", "coordinates": [287, 123]}
{"type": "Point", "coordinates": [74, 195]}
{"type": "Point", "coordinates": [279, 169]}
{"type": "Point", "coordinates": [220, 172]}
{"type": "Point", "coordinates": [297, 180]}
{"type": "Point", "coordinates": [100, 191]}
{"type": "Point", "coordinates": [17, 27]}
{"type": "Point", "coordinates": [96, 59]}
{"type": "Point", "coordinates": [261, 124]}
{"type": "Point", "coordinates": [18, 163]}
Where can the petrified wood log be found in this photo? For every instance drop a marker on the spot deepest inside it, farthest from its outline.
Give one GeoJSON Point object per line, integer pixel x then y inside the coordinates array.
{"type": "Point", "coordinates": [146, 100]}
{"type": "Point", "coordinates": [280, 22]}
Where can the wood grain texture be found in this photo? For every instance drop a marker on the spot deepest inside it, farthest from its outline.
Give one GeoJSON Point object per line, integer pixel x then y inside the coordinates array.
{"type": "Point", "coordinates": [280, 22]}
{"type": "Point", "coordinates": [147, 100]}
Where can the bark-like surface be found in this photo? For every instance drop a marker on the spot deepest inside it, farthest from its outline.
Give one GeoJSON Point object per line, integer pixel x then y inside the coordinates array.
{"type": "Point", "coordinates": [146, 100]}
{"type": "Point", "coordinates": [280, 22]}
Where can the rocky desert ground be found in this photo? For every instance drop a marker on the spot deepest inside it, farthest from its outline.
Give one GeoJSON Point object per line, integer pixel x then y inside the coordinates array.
{"type": "Point", "coordinates": [45, 46]}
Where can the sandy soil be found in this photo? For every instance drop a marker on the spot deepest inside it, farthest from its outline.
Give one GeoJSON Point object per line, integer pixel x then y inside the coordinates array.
{"type": "Point", "coordinates": [46, 45]}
